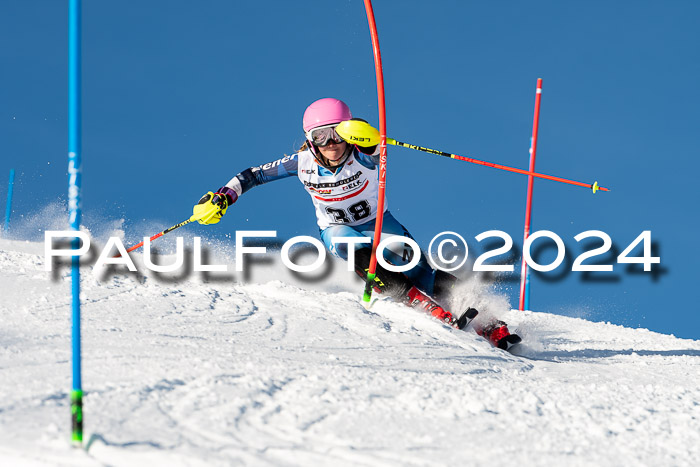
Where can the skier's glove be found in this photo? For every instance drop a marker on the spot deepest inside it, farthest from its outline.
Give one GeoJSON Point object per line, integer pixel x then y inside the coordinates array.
{"type": "Point", "coordinates": [212, 206]}
{"type": "Point", "coordinates": [359, 132]}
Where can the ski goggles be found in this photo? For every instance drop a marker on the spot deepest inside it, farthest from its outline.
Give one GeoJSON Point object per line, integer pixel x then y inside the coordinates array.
{"type": "Point", "coordinates": [323, 135]}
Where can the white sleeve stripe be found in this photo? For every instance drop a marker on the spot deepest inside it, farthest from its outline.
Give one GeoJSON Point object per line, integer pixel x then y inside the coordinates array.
{"type": "Point", "coordinates": [235, 185]}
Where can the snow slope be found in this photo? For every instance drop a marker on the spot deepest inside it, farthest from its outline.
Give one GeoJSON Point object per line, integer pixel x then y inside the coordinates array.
{"type": "Point", "coordinates": [276, 371]}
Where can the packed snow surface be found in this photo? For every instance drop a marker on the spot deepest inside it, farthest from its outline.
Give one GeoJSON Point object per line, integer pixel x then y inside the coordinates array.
{"type": "Point", "coordinates": [275, 370]}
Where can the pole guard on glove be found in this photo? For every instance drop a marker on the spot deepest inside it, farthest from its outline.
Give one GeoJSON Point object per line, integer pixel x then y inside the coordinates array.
{"type": "Point", "coordinates": [359, 132]}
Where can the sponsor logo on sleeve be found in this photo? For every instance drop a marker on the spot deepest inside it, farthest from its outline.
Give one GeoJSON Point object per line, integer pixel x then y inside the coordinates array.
{"type": "Point", "coordinates": [271, 165]}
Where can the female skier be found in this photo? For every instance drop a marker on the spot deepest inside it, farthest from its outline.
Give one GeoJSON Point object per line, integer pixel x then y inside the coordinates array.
{"type": "Point", "coordinates": [342, 180]}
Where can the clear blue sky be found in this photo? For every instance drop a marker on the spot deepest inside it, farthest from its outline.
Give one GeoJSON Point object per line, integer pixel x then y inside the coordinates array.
{"type": "Point", "coordinates": [180, 96]}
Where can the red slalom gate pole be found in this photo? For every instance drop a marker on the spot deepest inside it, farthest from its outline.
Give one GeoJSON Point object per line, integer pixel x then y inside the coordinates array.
{"type": "Point", "coordinates": [371, 274]}
{"type": "Point", "coordinates": [524, 270]}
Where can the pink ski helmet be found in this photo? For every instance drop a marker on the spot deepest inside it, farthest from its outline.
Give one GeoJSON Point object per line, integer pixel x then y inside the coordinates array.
{"type": "Point", "coordinates": [325, 112]}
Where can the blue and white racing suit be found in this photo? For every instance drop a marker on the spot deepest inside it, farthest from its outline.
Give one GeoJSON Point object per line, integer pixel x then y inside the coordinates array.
{"type": "Point", "coordinates": [345, 199]}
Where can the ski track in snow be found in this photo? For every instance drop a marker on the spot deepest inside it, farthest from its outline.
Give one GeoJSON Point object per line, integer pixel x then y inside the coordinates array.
{"type": "Point", "coordinates": [278, 373]}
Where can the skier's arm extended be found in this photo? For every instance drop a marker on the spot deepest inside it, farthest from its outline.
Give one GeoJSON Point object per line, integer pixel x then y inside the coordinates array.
{"type": "Point", "coordinates": [212, 206]}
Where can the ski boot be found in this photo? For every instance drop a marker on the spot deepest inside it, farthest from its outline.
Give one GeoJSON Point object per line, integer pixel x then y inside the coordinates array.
{"type": "Point", "coordinates": [498, 335]}
{"type": "Point", "coordinates": [416, 298]}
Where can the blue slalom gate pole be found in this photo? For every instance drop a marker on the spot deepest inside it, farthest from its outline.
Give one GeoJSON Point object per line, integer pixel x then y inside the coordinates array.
{"type": "Point", "coordinates": [8, 209]}
{"type": "Point", "coordinates": [527, 290]}
{"type": "Point", "coordinates": [74, 208]}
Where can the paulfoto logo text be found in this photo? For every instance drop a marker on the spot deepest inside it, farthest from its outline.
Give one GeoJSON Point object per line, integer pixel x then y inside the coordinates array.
{"type": "Point", "coordinates": [447, 251]}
